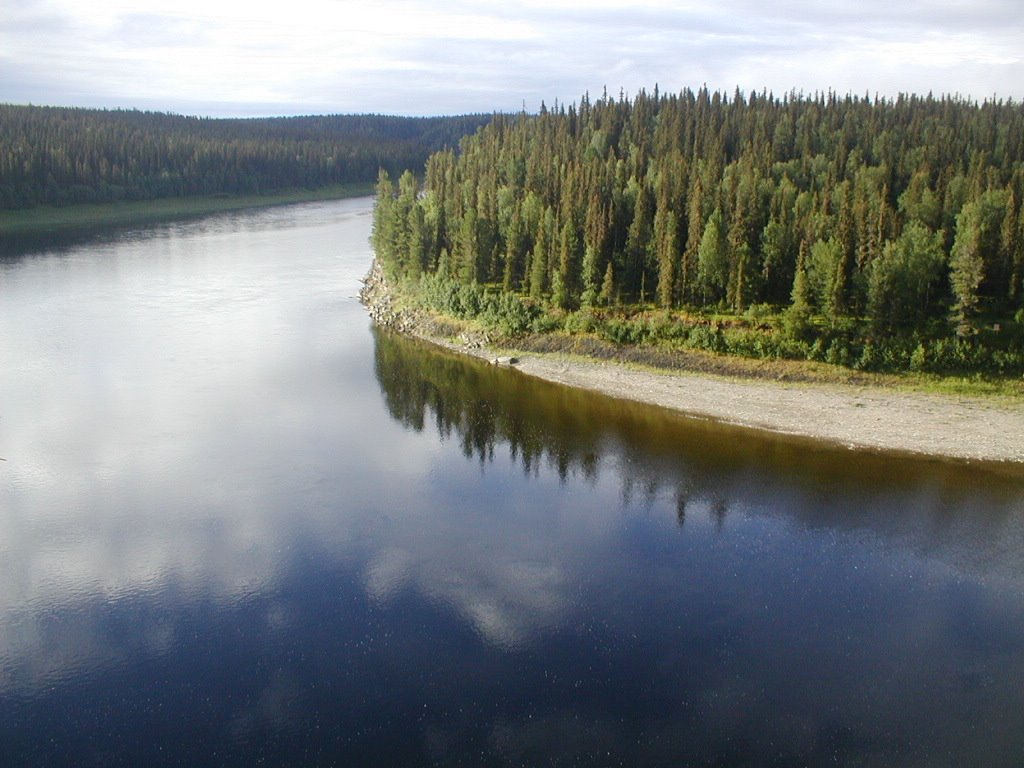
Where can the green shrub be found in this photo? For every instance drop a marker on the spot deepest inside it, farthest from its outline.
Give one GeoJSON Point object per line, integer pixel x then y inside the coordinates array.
{"type": "Point", "coordinates": [625, 331]}
{"type": "Point", "coordinates": [545, 323]}
{"type": "Point", "coordinates": [507, 313]}
{"type": "Point", "coordinates": [706, 337]}
{"type": "Point", "coordinates": [583, 321]}
{"type": "Point", "coordinates": [919, 358]}
{"type": "Point", "coordinates": [757, 313]}
{"type": "Point", "coordinates": [838, 353]}
{"type": "Point", "coordinates": [869, 359]}
{"type": "Point", "coordinates": [816, 351]}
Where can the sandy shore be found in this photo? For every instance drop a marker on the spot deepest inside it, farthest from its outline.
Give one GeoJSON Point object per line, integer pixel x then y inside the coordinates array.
{"type": "Point", "coordinates": [959, 428]}
{"type": "Point", "coordinates": [858, 417]}
{"type": "Point", "coordinates": [974, 429]}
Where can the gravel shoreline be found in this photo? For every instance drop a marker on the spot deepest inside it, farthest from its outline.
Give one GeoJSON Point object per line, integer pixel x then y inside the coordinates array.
{"type": "Point", "coordinates": [871, 418]}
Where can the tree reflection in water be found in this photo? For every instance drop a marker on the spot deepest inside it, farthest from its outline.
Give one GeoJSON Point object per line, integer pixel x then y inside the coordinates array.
{"type": "Point", "coordinates": [489, 409]}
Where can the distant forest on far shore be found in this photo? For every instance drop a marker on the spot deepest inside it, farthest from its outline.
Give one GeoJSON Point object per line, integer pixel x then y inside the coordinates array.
{"type": "Point", "coordinates": [65, 156]}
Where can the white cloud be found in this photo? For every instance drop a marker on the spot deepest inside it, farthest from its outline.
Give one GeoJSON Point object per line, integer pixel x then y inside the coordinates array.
{"type": "Point", "coordinates": [408, 56]}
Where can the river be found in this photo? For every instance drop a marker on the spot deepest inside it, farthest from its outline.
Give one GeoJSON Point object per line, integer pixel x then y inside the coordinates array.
{"type": "Point", "coordinates": [240, 526]}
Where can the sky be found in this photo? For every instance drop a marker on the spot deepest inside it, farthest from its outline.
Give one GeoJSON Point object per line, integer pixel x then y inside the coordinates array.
{"type": "Point", "coordinates": [225, 58]}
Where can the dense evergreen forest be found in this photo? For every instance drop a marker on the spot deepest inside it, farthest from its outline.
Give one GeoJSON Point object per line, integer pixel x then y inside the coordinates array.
{"type": "Point", "coordinates": [875, 233]}
{"type": "Point", "coordinates": [63, 156]}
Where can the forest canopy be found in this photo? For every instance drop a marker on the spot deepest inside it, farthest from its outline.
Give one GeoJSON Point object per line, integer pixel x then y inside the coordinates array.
{"type": "Point", "coordinates": [63, 156]}
{"type": "Point", "coordinates": [866, 227]}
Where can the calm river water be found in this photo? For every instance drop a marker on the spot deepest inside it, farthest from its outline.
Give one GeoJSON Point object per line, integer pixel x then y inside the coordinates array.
{"type": "Point", "coordinates": [239, 526]}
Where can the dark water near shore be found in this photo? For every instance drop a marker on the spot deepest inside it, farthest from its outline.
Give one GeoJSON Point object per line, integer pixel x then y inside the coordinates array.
{"type": "Point", "coordinates": [239, 525]}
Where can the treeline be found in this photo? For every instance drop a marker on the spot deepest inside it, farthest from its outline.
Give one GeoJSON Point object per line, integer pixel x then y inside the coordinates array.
{"type": "Point", "coordinates": [851, 220]}
{"type": "Point", "coordinates": [63, 156]}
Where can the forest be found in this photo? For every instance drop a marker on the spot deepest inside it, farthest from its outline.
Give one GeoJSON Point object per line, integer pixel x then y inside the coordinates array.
{"type": "Point", "coordinates": [64, 156]}
{"type": "Point", "coordinates": [879, 234]}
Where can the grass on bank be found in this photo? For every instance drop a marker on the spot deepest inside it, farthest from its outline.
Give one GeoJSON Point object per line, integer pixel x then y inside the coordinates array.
{"type": "Point", "coordinates": [47, 219]}
{"type": "Point", "coordinates": [733, 346]}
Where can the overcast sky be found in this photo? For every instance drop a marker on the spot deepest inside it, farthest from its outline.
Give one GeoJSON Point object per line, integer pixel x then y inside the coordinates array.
{"type": "Point", "coordinates": [420, 57]}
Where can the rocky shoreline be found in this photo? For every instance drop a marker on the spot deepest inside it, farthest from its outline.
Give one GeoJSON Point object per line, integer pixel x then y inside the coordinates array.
{"type": "Point", "coordinates": [377, 297]}
{"type": "Point", "coordinates": [872, 418]}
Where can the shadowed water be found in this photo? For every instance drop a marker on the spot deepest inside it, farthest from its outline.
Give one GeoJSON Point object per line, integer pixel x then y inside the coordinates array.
{"type": "Point", "coordinates": [237, 524]}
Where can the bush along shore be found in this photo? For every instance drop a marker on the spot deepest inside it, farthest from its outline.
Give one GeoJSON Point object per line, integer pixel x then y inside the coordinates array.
{"type": "Point", "coordinates": [863, 412]}
{"type": "Point", "coordinates": [435, 306]}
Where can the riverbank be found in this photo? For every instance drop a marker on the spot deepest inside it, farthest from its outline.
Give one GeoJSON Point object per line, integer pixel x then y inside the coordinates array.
{"type": "Point", "coordinates": [50, 220]}
{"type": "Point", "coordinates": [858, 416]}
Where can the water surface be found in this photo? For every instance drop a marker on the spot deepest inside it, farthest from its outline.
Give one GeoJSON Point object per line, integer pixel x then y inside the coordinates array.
{"type": "Point", "coordinates": [237, 525]}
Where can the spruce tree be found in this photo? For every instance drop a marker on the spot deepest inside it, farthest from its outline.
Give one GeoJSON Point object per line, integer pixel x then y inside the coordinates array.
{"type": "Point", "coordinates": [967, 270]}
{"type": "Point", "coordinates": [667, 248]}
{"type": "Point", "coordinates": [797, 318]}
{"type": "Point", "coordinates": [713, 260]}
{"type": "Point", "coordinates": [608, 286]}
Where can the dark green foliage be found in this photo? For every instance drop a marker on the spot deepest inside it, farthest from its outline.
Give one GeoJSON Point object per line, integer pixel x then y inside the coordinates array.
{"type": "Point", "coordinates": [58, 156]}
{"type": "Point", "coordinates": [863, 225]}
{"type": "Point", "coordinates": [797, 318]}
{"type": "Point", "coordinates": [977, 269]}
{"type": "Point", "coordinates": [502, 310]}
{"type": "Point", "coordinates": [713, 260]}
{"type": "Point", "coordinates": [904, 279]}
